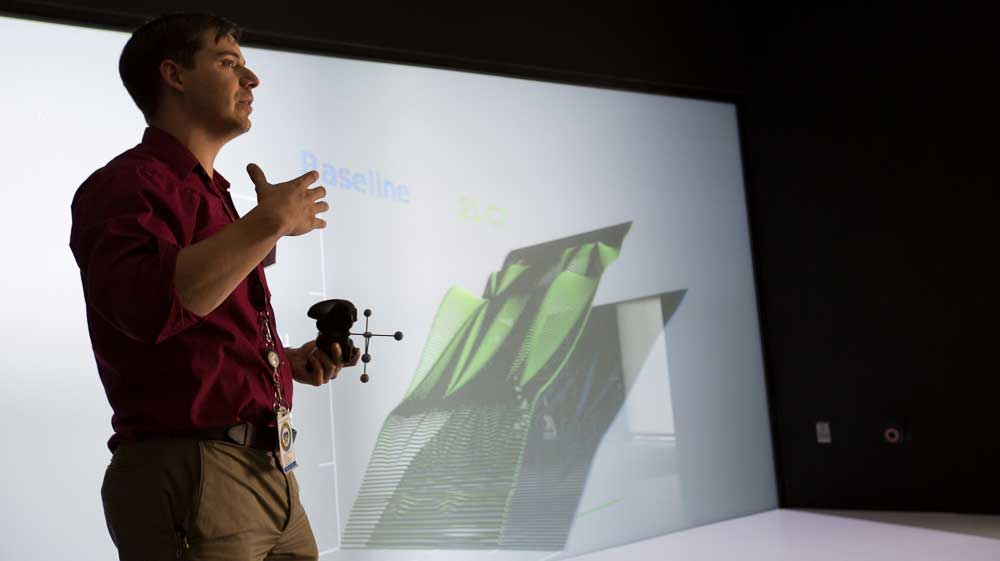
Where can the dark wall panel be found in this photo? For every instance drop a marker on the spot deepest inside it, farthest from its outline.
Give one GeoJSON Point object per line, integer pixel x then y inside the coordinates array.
{"type": "Point", "coordinates": [695, 47]}
{"type": "Point", "coordinates": [870, 135]}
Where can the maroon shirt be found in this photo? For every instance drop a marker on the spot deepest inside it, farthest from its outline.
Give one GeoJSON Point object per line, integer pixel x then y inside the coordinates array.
{"type": "Point", "coordinates": [164, 368]}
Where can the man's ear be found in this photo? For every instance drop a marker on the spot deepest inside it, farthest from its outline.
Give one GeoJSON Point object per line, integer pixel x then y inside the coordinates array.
{"type": "Point", "coordinates": [170, 72]}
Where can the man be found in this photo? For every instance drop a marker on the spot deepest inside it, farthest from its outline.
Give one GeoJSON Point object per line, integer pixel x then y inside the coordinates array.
{"type": "Point", "coordinates": [179, 313]}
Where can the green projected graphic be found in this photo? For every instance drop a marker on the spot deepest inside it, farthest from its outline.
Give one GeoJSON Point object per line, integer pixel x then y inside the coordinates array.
{"type": "Point", "coordinates": [491, 445]}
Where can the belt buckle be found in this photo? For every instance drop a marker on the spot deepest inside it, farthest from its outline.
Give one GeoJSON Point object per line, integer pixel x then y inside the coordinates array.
{"type": "Point", "coordinates": [242, 434]}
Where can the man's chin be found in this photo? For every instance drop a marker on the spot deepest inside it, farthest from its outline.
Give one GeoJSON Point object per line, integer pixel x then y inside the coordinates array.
{"type": "Point", "coordinates": [237, 127]}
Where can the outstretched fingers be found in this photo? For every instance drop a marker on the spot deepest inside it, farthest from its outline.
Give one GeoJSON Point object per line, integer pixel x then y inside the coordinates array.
{"type": "Point", "coordinates": [307, 178]}
{"type": "Point", "coordinates": [316, 193]}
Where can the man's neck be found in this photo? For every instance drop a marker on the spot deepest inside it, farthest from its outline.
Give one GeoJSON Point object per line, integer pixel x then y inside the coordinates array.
{"type": "Point", "coordinates": [204, 146]}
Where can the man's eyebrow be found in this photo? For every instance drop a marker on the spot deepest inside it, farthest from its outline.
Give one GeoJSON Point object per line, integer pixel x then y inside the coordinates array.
{"type": "Point", "coordinates": [221, 54]}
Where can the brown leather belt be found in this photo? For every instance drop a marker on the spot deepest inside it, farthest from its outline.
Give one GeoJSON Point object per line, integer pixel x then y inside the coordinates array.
{"type": "Point", "coordinates": [247, 435]}
{"type": "Point", "coordinates": [244, 434]}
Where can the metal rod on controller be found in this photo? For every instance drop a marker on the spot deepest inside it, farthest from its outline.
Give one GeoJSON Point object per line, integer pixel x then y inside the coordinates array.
{"type": "Point", "coordinates": [366, 357]}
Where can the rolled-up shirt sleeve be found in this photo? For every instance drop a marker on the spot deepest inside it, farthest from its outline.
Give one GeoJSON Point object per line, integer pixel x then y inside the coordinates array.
{"type": "Point", "coordinates": [127, 231]}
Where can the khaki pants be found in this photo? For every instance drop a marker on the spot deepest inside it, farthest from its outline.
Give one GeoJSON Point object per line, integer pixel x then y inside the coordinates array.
{"type": "Point", "coordinates": [203, 500]}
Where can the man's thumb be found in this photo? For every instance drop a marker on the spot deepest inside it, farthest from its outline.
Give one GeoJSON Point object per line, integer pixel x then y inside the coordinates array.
{"type": "Point", "coordinates": [256, 175]}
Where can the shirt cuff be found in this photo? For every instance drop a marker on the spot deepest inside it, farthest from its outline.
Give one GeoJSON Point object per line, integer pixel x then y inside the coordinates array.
{"type": "Point", "coordinates": [178, 318]}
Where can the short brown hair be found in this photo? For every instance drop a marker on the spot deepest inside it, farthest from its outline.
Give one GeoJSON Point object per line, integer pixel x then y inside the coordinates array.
{"type": "Point", "coordinates": [174, 36]}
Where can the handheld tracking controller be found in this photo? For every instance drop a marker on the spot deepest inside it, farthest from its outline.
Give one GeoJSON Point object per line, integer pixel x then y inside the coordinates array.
{"type": "Point", "coordinates": [334, 319]}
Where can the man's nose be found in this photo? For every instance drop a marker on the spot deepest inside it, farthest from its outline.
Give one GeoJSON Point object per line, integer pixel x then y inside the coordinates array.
{"type": "Point", "coordinates": [250, 80]}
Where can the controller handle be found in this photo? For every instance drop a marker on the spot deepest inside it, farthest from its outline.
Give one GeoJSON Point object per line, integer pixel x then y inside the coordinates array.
{"type": "Point", "coordinates": [334, 319]}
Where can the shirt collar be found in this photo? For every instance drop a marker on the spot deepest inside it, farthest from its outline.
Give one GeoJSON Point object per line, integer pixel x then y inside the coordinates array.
{"type": "Point", "coordinates": [177, 156]}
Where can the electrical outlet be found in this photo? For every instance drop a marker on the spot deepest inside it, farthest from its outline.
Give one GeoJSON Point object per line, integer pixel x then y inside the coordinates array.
{"type": "Point", "coordinates": [823, 435]}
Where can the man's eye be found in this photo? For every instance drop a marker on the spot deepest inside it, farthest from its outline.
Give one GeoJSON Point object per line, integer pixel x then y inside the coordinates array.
{"type": "Point", "coordinates": [228, 63]}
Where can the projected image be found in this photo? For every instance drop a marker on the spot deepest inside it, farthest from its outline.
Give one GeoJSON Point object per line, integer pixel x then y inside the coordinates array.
{"type": "Point", "coordinates": [532, 239]}
{"type": "Point", "coordinates": [492, 444]}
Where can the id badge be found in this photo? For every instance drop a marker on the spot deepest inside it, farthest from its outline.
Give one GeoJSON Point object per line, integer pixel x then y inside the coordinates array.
{"type": "Point", "coordinates": [286, 442]}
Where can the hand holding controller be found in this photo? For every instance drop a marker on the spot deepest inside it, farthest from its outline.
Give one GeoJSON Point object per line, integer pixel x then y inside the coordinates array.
{"type": "Point", "coordinates": [334, 319]}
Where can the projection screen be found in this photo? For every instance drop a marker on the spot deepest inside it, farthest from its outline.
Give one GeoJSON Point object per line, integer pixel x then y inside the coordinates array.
{"type": "Point", "coordinates": [570, 265]}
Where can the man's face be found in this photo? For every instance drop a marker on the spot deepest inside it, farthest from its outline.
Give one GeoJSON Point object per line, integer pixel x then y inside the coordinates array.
{"type": "Point", "coordinates": [218, 87]}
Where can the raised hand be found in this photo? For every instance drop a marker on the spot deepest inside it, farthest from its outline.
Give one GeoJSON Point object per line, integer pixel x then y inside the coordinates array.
{"type": "Point", "coordinates": [292, 204]}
